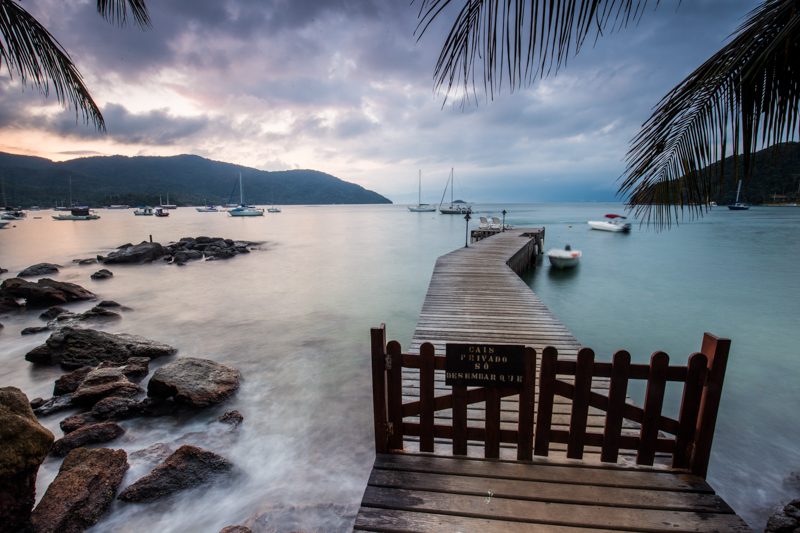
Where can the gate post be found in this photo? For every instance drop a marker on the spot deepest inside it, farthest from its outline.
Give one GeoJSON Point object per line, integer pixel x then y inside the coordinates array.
{"type": "Point", "coordinates": [379, 407]}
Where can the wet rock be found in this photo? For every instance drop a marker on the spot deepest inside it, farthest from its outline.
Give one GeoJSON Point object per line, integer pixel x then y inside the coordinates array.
{"type": "Point", "coordinates": [52, 313]}
{"type": "Point", "coordinates": [82, 491]}
{"type": "Point", "coordinates": [195, 382]}
{"type": "Point", "coordinates": [103, 273]}
{"type": "Point", "coordinates": [188, 467]}
{"type": "Point", "coordinates": [70, 381]}
{"type": "Point", "coordinates": [144, 252]}
{"type": "Point", "coordinates": [117, 408]}
{"type": "Point", "coordinates": [7, 304]}
{"type": "Point", "coordinates": [54, 405]}
{"type": "Point", "coordinates": [34, 330]}
{"type": "Point", "coordinates": [92, 434]}
{"type": "Point", "coordinates": [86, 261]}
{"type": "Point", "coordinates": [101, 383]}
{"type": "Point", "coordinates": [44, 293]}
{"type": "Point", "coordinates": [39, 269]}
{"type": "Point", "coordinates": [153, 454]}
{"type": "Point", "coordinates": [37, 402]}
{"type": "Point", "coordinates": [232, 418]}
{"type": "Point", "coordinates": [108, 303]}
{"type": "Point", "coordinates": [135, 368]}
{"type": "Point", "coordinates": [71, 423]}
{"type": "Point", "coordinates": [74, 348]}
{"type": "Point", "coordinates": [96, 313]}
{"type": "Point", "coordinates": [24, 443]}
{"type": "Point", "coordinates": [3, 270]}
{"type": "Point", "coordinates": [235, 529]}
{"type": "Point", "coordinates": [787, 520]}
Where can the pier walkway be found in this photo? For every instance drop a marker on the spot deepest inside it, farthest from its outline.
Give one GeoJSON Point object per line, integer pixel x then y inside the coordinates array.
{"type": "Point", "coordinates": [562, 450]}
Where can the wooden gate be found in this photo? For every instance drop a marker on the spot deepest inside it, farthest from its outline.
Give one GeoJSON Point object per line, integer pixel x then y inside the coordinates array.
{"type": "Point", "coordinates": [687, 440]}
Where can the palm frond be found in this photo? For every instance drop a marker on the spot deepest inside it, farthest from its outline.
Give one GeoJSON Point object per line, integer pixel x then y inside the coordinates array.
{"type": "Point", "coordinates": [745, 96]}
{"type": "Point", "coordinates": [29, 51]}
{"type": "Point", "coordinates": [116, 11]}
{"type": "Point", "coordinates": [518, 41]}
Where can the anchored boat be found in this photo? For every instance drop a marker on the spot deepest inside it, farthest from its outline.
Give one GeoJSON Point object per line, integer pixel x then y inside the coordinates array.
{"type": "Point", "coordinates": [615, 223]}
{"type": "Point", "coordinates": [564, 258]}
{"type": "Point", "coordinates": [420, 207]}
{"type": "Point", "coordinates": [78, 213]}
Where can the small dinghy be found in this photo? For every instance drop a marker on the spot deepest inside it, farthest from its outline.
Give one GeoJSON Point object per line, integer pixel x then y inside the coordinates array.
{"type": "Point", "coordinates": [566, 258]}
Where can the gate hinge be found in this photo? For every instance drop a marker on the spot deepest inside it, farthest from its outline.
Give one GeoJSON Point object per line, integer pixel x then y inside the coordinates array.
{"type": "Point", "coordinates": [388, 362]}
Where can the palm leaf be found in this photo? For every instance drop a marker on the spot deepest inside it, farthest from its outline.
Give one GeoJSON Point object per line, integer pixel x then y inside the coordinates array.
{"type": "Point", "coordinates": [518, 41]}
{"type": "Point", "coordinates": [30, 52]}
{"type": "Point", "coordinates": [745, 96]}
{"type": "Point", "coordinates": [116, 11]}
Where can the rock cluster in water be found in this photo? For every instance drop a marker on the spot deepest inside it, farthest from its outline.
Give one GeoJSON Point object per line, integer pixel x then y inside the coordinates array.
{"type": "Point", "coordinates": [43, 293]}
{"type": "Point", "coordinates": [185, 250]}
{"type": "Point", "coordinates": [787, 520]}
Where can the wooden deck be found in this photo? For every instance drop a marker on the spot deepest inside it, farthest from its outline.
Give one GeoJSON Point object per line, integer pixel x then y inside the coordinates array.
{"type": "Point", "coordinates": [476, 296]}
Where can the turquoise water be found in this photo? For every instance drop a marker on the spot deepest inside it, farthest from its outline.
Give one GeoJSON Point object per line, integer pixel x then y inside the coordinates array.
{"type": "Point", "coordinates": [295, 315]}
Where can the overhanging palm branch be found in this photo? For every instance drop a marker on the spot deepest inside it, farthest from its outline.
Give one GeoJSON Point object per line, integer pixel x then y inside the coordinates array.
{"type": "Point", "coordinates": [746, 95]}
{"type": "Point", "coordinates": [518, 41]}
{"type": "Point", "coordinates": [33, 54]}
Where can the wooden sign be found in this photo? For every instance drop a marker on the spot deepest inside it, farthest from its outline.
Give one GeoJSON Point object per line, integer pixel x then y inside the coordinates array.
{"type": "Point", "coordinates": [484, 365]}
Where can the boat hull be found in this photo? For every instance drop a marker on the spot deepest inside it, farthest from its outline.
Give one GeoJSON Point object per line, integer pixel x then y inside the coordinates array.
{"type": "Point", "coordinates": [601, 225]}
{"type": "Point", "coordinates": [739, 207]}
{"type": "Point", "coordinates": [76, 217]}
{"type": "Point", "coordinates": [455, 210]}
{"type": "Point", "coordinates": [564, 258]}
{"type": "Point", "coordinates": [422, 208]}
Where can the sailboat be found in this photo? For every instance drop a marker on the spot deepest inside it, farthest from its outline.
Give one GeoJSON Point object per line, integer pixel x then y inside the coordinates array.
{"type": "Point", "coordinates": [737, 206]}
{"type": "Point", "coordinates": [69, 206]}
{"type": "Point", "coordinates": [457, 207]}
{"type": "Point", "coordinates": [244, 210]}
{"type": "Point", "coordinates": [420, 207]}
{"type": "Point", "coordinates": [273, 209]}
{"type": "Point", "coordinates": [166, 205]}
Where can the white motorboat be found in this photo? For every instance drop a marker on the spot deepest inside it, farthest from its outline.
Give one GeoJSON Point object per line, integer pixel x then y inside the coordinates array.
{"type": "Point", "coordinates": [274, 209]}
{"type": "Point", "coordinates": [78, 213]}
{"type": "Point", "coordinates": [244, 210]}
{"type": "Point", "coordinates": [564, 258]}
{"type": "Point", "coordinates": [615, 223]}
{"type": "Point", "coordinates": [145, 211]}
{"type": "Point", "coordinates": [207, 209]}
{"type": "Point", "coordinates": [420, 207]}
{"type": "Point", "coordinates": [739, 206]}
{"type": "Point", "coordinates": [161, 212]}
{"type": "Point", "coordinates": [456, 207]}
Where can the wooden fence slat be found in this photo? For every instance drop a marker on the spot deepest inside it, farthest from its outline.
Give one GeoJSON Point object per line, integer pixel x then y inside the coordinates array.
{"type": "Point", "coordinates": [580, 403]}
{"type": "Point", "coordinates": [378, 345]}
{"type": "Point", "coordinates": [459, 420]}
{"type": "Point", "coordinates": [395, 398]}
{"type": "Point", "coordinates": [617, 393]}
{"type": "Point", "coordinates": [653, 401]}
{"type": "Point", "coordinates": [526, 407]}
{"type": "Point", "coordinates": [716, 349]}
{"type": "Point", "coordinates": [547, 378]}
{"type": "Point", "coordinates": [426, 395]}
{"type": "Point", "coordinates": [690, 408]}
{"type": "Point", "coordinates": [492, 445]}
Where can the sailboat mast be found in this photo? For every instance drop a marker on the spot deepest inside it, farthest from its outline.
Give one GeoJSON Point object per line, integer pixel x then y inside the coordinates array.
{"type": "Point", "coordinates": [241, 192]}
{"type": "Point", "coordinates": [419, 194]}
{"type": "Point", "coordinates": [452, 186]}
{"type": "Point", "coordinates": [738, 190]}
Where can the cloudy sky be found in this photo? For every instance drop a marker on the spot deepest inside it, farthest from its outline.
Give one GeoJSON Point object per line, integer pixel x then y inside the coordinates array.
{"type": "Point", "coordinates": [345, 87]}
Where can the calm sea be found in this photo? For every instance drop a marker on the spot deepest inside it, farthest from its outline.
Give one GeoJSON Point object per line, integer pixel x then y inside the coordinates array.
{"type": "Point", "coordinates": [294, 317]}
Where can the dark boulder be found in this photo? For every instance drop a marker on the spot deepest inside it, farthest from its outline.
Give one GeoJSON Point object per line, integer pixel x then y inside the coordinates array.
{"type": "Point", "coordinates": [787, 520]}
{"type": "Point", "coordinates": [70, 381]}
{"type": "Point", "coordinates": [74, 348]}
{"type": "Point", "coordinates": [235, 529]}
{"type": "Point", "coordinates": [103, 273]}
{"type": "Point", "coordinates": [92, 434]}
{"type": "Point", "coordinates": [135, 368]}
{"type": "Point", "coordinates": [54, 405]}
{"type": "Point", "coordinates": [117, 408]}
{"type": "Point", "coordinates": [52, 313]}
{"type": "Point", "coordinates": [96, 313]}
{"type": "Point", "coordinates": [34, 330]}
{"type": "Point", "coordinates": [39, 269]}
{"type": "Point", "coordinates": [86, 261]}
{"type": "Point", "coordinates": [71, 423]}
{"type": "Point", "coordinates": [8, 303]}
{"type": "Point", "coordinates": [108, 303]}
{"type": "Point", "coordinates": [188, 467]}
{"type": "Point", "coordinates": [101, 383]}
{"type": "Point", "coordinates": [232, 418]}
{"type": "Point", "coordinates": [3, 270]}
{"type": "Point", "coordinates": [143, 252]}
{"type": "Point", "coordinates": [82, 491]}
{"type": "Point", "coordinates": [24, 443]}
{"type": "Point", "coordinates": [45, 292]}
{"type": "Point", "coordinates": [193, 381]}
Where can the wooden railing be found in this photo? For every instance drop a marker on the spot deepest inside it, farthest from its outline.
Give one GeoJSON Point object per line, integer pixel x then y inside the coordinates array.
{"type": "Point", "coordinates": [686, 439]}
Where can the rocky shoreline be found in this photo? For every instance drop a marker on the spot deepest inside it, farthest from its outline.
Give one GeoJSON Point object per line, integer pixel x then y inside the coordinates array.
{"type": "Point", "coordinates": [101, 380]}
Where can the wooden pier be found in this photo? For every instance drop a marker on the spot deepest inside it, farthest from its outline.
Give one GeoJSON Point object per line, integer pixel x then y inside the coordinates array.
{"type": "Point", "coordinates": [577, 455]}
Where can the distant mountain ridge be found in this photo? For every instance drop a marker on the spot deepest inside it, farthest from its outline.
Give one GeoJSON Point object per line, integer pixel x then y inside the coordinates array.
{"type": "Point", "coordinates": [775, 176]}
{"type": "Point", "coordinates": [187, 179]}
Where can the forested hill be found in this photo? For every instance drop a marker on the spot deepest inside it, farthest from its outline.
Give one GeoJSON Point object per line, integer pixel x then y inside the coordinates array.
{"type": "Point", "coordinates": [775, 176]}
{"type": "Point", "coordinates": [188, 179]}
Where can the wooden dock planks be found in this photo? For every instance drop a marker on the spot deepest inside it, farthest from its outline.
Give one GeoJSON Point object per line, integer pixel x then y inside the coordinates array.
{"type": "Point", "coordinates": [474, 296]}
